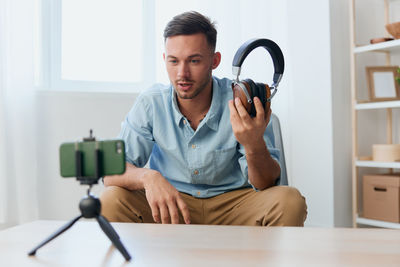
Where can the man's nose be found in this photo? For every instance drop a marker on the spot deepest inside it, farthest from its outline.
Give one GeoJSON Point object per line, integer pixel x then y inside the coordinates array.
{"type": "Point", "coordinates": [183, 70]}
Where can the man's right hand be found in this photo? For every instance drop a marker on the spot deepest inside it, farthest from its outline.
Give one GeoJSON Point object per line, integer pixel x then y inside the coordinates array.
{"type": "Point", "coordinates": [164, 200]}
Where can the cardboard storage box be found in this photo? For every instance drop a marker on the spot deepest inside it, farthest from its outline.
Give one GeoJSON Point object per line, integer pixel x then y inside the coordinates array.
{"type": "Point", "coordinates": [381, 199]}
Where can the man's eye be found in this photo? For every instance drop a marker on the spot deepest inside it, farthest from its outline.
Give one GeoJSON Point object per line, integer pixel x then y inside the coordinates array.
{"type": "Point", "coordinates": [173, 61]}
{"type": "Point", "coordinates": [195, 61]}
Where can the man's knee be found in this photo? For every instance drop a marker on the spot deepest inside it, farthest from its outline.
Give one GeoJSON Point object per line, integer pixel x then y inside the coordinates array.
{"type": "Point", "coordinates": [291, 206]}
{"type": "Point", "coordinates": [291, 198]}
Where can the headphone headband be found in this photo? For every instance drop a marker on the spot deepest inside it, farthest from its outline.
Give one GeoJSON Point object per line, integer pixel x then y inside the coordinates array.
{"type": "Point", "coordinates": [270, 46]}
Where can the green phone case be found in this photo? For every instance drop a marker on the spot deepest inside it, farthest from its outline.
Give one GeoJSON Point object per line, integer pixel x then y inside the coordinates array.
{"type": "Point", "coordinates": [112, 157]}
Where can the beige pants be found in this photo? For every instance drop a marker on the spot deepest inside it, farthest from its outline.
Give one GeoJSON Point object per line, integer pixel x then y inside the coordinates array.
{"type": "Point", "coordinates": [275, 206]}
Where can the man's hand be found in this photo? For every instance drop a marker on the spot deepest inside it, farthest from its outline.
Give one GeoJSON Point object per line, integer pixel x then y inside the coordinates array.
{"type": "Point", "coordinates": [248, 131]}
{"type": "Point", "coordinates": [164, 200]}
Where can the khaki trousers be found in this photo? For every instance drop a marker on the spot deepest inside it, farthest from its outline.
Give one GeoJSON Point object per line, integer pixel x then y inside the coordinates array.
{"type": "Point", "coordinates": [275, 206]}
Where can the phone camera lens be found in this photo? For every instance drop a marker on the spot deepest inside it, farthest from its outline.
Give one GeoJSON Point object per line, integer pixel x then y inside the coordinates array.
{"type": "Point", "coordinates": [119, 147]}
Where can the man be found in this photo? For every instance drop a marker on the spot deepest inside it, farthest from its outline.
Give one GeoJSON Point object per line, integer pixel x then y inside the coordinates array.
{"type": "Point", "coordinates": [210, 162]}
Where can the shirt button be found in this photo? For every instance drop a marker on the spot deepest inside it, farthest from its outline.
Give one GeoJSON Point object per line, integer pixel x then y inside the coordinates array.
{"type": "Point", "coordinates": [193, 146]}
{"type": "Point", "coordinates": [196, 172]}
{"type": "Point", "coordinates": [184, 122]}
{"type": "Point", "coordinates": [198, 193]}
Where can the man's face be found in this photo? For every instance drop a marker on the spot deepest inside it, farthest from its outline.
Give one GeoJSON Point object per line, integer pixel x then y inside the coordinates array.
{"type": "Point", "coordinates": [190, 61]}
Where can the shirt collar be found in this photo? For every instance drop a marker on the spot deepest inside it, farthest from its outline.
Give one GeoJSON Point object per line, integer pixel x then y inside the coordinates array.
{"type": "Point", "coordinates": [212, 114]}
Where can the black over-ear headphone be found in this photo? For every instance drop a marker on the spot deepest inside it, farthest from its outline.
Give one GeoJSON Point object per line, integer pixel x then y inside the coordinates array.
{"type": "Point", "coordinates": [246, 89]}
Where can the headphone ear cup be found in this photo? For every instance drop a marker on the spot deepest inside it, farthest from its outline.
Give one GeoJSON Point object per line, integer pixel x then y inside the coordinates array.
{"type": "Point", "coordinates": [238, 91]}
{"type": "Point", "coordinates": [254, 92]}
{"type": "Point", "coordinates": [261, 93]}
{"type": "Point", "coordinates": [267, 104]}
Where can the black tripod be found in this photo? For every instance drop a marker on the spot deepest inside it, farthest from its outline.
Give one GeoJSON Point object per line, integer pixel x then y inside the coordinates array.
{"type": "Point", "coordinates": [90, 206]}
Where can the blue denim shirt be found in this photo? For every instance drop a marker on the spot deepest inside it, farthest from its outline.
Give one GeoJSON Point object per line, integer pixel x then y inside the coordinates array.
{"type": "Point", "coordinates": [202, 163]}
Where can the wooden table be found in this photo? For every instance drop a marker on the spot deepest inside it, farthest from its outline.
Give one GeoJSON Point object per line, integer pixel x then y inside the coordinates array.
{"type": "Point", "coordinates": [198, 245]}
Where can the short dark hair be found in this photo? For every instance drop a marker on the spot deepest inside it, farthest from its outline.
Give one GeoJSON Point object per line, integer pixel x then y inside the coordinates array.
{"type": "Point", "coordinates": [192, 22]}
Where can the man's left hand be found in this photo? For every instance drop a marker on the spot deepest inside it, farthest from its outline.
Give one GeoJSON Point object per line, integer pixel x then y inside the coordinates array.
{"type": "Point", "coordinates": [249, 131]}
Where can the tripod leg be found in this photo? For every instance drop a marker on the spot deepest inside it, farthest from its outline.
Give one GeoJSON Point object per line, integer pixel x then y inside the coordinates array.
{"type": "Point", "coordinates": [113, 236]}
{"type": "Point", "coordinates": [57, 233]}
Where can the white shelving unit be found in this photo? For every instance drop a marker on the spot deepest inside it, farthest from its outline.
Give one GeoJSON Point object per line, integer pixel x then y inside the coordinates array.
{"type": "Point", "coordinates": [386, 48]}
{"type": "Point", "coordinates": [390, 46]}
{"type": "Point", "coordinates": [378, 105]}
{"type": "Point", "coordinates": [377, 223]}
{"type": "Point", "coordinates": [377, 164]}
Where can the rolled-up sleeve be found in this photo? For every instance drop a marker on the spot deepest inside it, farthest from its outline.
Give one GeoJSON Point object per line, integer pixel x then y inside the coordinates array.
{"type": "Point", "coordinates": [137, 132]}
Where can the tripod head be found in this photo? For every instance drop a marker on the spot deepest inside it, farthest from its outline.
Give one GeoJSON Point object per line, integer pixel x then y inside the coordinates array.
{"type": "Point", "coordinates": [89, 180]}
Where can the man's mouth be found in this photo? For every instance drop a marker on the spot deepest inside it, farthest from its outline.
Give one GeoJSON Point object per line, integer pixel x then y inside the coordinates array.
{"type": "Point", "coordinates": [185, 85]}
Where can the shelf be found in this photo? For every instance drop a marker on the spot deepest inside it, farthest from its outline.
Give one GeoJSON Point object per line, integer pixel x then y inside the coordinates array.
{"type": "Point", "coordinates": [378, 105]}
{"type": "Point", "coordinates": [385, 50]}
{"type": "Point", "coordinates": [377, 223]}
{"type": "Point", "coordinates": [377, 164]}
{"type": "Point", "coordinates": [389, 46]}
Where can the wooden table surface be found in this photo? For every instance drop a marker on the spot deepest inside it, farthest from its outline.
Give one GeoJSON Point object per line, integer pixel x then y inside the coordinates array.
{"type": "Point", "coordinates": [198, 245]}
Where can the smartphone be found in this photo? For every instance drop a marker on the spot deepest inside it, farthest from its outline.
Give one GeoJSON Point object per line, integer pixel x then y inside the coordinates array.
{"type": "Point", "coordinates": [112, 157]}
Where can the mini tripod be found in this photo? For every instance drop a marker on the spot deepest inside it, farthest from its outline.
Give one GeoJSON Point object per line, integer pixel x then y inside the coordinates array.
{"type": "Point", "coordinates": [90, 206]}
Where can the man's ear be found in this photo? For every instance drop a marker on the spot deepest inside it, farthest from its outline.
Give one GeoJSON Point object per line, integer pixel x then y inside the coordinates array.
{"type": "Point", "coordinates": [163, 56]}
{"type": "Point", "coordinates": [216, 60]}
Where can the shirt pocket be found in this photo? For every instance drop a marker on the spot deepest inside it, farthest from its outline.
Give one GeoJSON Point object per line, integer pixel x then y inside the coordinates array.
{"type": "Point", "coordinates": [225, 166]}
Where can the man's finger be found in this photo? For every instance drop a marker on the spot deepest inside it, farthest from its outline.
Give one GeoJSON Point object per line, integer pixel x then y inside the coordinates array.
{"type": "Point", "coordinates": [155, 212]}
{"type": "Point", "coordinates": [173, 212]}
{"type": "Point", "coordinates": [234, 115]}
{"type": "Point", "coordinates": [184, 210]}
{"type": "Point", "coordinates": [269, 115]}
{"type": "Point", "coordinates": [241, 110]}
{"type": "Point", "coordinates": [260, 112]}
{"type": "Point", "coordinates": [233, 112]}
{"type": "Point", "coordinates": [164, 214]}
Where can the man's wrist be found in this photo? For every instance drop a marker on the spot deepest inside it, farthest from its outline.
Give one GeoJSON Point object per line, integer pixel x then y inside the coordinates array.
{"type": "Point", "coordinates": [148, 177]}
{"type": "Point", "coordinates": [256, 148]}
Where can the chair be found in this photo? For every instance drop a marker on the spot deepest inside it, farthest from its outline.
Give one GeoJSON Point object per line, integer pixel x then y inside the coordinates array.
{"type": "Point", "coordinates": [276, 128]}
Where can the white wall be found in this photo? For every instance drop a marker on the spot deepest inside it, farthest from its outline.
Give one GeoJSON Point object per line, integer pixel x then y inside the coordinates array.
{"type": "Point", "coordinates": [341, 112]}
{"type": "Point", "coordinates": [320, 160]}
{"type": "Point", "coordinates": [310, 103]}
{"type": "Point", "coordinates": [312, 112]}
